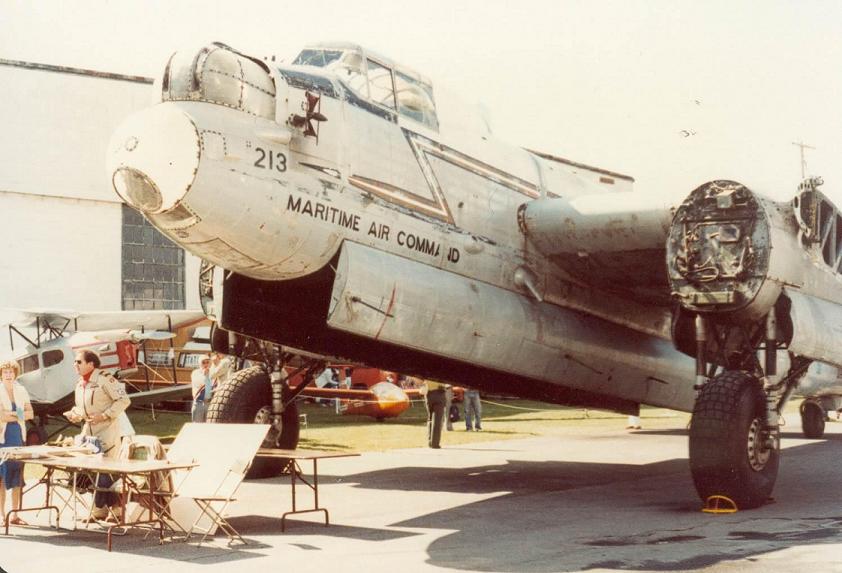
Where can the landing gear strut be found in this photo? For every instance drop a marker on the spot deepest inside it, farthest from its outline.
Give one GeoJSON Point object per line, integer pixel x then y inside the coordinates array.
{"type": "Point", "coordinates": [255, 395]}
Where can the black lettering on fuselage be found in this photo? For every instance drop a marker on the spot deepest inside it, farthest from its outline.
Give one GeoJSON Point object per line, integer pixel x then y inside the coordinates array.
{"type": "Point", "coordinates": [324, 212]}
{"type": "Point", "coordinates": [379, 231]}
{"type": "Point", "coordinates": [419, 244]}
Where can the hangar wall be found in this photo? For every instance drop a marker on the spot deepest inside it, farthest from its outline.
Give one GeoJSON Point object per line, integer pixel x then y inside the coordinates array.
{"type": "Point", "coordinates": [62, 224]}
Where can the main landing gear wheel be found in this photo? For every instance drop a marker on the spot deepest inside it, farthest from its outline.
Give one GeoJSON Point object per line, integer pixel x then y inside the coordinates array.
{"type": "Point", "coordinates": [730, 454]}
{"type": "Point", "coordinates": [247, 398]}
{"type": "Point", "coordinates": [812, 419]}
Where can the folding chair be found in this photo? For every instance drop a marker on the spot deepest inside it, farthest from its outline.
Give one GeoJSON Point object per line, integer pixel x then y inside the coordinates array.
{"type": "Point", "coordinates": [222, 454]}
{"type": "Point", "coordinates": [213, 496]}
{"type": "Point", "coordinates": [70, 490]}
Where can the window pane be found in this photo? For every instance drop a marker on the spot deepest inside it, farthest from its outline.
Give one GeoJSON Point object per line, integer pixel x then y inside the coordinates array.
{"type": "Point", "coordinates": [415, 100]}
{"type": "Point", "coordinates": [319, 58]}
{"type": "Point", "coordinates": [52, 357]}
{"type": "Point", "coordinates": [150, 262]}
{"type": "Point", "coordinates": [380, 84]}
{"type": "Point", "coordinates": [28, 363]}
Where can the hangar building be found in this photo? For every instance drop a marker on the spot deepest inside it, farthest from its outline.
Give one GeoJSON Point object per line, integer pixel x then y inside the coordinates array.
{"type": "Point", "coordinates": [68, 242]}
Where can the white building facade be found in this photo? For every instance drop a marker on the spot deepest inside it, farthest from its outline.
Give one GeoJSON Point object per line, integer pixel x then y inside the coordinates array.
{"type": "Point", "coordinates": [68, 242]}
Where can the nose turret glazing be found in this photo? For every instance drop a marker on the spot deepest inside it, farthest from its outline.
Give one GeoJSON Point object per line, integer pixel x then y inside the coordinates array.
{"type": "Point", "coordinates": [153, 158]}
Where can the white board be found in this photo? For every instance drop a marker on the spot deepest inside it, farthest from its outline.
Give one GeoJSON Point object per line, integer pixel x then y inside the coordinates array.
{"type": "Point", "coordinates": [216, 448]}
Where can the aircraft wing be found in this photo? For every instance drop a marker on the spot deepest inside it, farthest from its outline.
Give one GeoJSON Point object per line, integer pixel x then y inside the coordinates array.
{"type": "Point", "coordinates": [342, 393]}
{"type": "Point", "coordinates": [74, 321]}
{"type": "Point", "coordinates": [173, 392]}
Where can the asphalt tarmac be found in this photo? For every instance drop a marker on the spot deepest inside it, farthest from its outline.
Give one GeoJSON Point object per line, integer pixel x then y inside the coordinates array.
{"type": "Point", "coordinates": [601, 500]}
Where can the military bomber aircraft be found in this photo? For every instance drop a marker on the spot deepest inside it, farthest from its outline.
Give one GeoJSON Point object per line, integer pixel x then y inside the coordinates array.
{"type": "Point", "coordinates": [348, 215]}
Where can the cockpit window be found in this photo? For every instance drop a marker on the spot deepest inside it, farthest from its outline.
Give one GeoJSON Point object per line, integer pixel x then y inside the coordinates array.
{"type": "Point", "coordinates": [52, 357]}
{"type": "Point", "coordinates": [415, 100]}
{"type": "Point", "coordinates": [318, 58]}
{"type": "Point", "coordinates": [28, 363]}
{"type": "Point", "coordinates": [380, 85]}
{"type": "Point", "coordinates": [347, 64]}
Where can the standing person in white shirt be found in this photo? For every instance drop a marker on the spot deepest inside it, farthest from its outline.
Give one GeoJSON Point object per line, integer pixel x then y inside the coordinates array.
{"type": "Point", "coordinates": [220, 369]}
{"type": "Point", "coordinates": [202, 383]}
{"type": "Point", "coordinates": [15, 409]}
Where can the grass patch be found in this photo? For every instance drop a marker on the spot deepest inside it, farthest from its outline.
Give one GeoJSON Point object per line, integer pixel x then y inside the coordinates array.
{"type": "Point", "coordinates": [501, 420]}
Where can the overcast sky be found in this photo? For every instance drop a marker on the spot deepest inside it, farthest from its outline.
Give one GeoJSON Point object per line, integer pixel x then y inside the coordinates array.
{"type": "Point", "coordinates": [673, 93]}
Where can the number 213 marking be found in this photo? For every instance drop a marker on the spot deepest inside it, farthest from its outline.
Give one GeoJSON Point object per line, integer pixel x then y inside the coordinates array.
{"type": "Point", "coordinates": [271, 160]}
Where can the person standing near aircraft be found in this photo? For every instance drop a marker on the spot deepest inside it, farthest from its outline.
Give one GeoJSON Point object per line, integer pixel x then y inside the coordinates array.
{"type": "Point", "coordinates": [99, 401]}
{"type": "Point", "coordinates": [448, 394]}
{"type": "Point", "coordinates": [15, 409]}
{"type": "Point", "coordinates": [473, 409]}
{"type": "Point", "coordinates": [434, 399]}
{"type": "Point", "coordinates": [220, 369]}
{"type": "Point", "coordinates": [203, 384]}
{"type": "Point", "coordinates": [634, 420]}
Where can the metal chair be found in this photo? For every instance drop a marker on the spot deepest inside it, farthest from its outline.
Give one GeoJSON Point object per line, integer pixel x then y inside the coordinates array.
{"type": "Point", "coordinates": [213, 492]}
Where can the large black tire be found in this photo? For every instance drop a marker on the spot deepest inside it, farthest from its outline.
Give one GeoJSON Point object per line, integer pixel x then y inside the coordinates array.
{"type": "Point", "coordinates": [812, 419]}
{"type": "Point", "coordinates": [726, 454]}
{"type": "Point", "coordinates": [247, 398]}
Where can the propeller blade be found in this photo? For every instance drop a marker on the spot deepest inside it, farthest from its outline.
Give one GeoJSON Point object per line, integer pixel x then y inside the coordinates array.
{"type": "Point", "coordinates": [312, 102]}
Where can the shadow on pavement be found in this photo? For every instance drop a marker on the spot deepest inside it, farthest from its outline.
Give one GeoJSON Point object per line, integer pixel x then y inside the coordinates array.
{"type": "Point", "coordinates": [568, 516]}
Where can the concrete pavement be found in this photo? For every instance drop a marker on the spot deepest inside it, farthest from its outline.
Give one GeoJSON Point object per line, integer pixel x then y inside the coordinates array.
{"type": "Point", "coordinates": [590, 501]}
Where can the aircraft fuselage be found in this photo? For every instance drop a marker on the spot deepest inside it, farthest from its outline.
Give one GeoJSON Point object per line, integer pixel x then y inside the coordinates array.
{"type": "Point", "coordinates": [383, 235]}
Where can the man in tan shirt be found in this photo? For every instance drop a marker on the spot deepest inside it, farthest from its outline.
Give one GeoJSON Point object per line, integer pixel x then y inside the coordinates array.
{"type": "Point", "coordinates": [99, 401]}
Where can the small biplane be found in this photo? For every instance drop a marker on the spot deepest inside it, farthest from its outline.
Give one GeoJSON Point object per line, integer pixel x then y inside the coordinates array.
{"type": "Point", "coordinates": [53, 337]}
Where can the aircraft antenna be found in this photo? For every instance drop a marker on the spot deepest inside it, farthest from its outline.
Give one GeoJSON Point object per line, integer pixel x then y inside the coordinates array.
{"type": "Point", "coordinates": [802, 147]}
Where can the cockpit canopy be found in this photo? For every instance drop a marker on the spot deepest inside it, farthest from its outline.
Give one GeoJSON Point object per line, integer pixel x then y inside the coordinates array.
{"type": "Point", "coordinates": [376, 79]}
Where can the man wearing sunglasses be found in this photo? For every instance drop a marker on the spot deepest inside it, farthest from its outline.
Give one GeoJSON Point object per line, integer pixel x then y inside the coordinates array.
{"type": "Point", "coordinates": [99, 401]}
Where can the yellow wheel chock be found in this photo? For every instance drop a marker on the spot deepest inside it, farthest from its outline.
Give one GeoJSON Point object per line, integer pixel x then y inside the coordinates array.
{"type": "Point", "coordinates": [714, 504]}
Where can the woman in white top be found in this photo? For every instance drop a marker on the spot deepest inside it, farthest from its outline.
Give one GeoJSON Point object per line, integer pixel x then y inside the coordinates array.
{"type": "Point", "coordinates": [15, 409]}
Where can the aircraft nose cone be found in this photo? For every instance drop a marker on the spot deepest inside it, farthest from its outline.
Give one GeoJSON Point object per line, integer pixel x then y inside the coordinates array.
{"type": "Point", "coordinates": [153, 157]}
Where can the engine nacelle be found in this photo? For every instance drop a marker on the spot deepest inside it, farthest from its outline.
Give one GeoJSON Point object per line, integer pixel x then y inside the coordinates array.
{"type": "Point", "coordinates": [733, 251]}
{"type": "Point", "coordinates": [718, 251]}
{"type": "Point", "coordinates": [612, 239]}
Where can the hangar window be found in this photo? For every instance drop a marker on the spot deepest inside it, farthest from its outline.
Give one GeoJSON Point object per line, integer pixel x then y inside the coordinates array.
{"type": "Point", "coordinates": [153, 266]}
